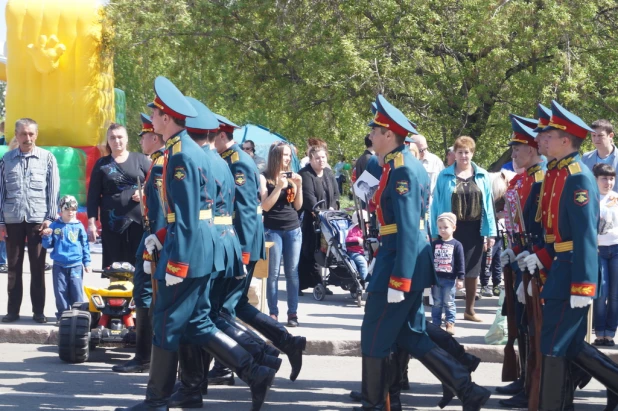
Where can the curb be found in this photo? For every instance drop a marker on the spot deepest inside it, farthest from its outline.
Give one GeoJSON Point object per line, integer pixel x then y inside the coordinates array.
{"type": "Point", "coordinates": [347, 348]}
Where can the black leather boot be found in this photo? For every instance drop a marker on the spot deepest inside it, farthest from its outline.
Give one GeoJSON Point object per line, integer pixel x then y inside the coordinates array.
{"type": "Point", "coordinates": [220, 375]}
{"type": "Point", "coordinates": [569, 394]}
{"type": "Point", "coordinates": [449, 344]}
{"type": "Point", "coordinates": [553, 383]}
{"type": "Point", "coordinates": [471, 362]}
{"type": "Point", "coordinates": [520, 384]}
{"type": "Point", "coordinates": [256, 350]}
{"type": "Point", "coordinates": [189, 395]}
{"type": "Point", "coordinates": [599, 366]}
{"type": "Point", "coordinates": [399, 364]}
{"type": "Point", "coordinates": [259, 378]}
{"type": "Point", "coordinates": [267, 348]}
{"type": "Point", "coordinates": [580, 377]}
{"type": "Point", "coordinates": [456, 378]}
{"type": "Point", "coordinates": [519, 400]}
{"type": "Point", "coordinates": [612, 401]}
{"type": "Point", "coordinates": [292, 346]}
{"type": "Point", "coordinates": [160, 383]}
{"type": "Point", "coordinates": [143, 344]}
{"type": "Point", "coordinates": [405, 360]}
{"type": "Point", "coordinates": [375, 383]}
{"type": "Point", "coordinates": [206, 359]}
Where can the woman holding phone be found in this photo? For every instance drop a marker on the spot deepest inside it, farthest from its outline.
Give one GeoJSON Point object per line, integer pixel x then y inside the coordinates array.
{"type": "Point", "coordinates": [319, 184]}
{"type": "Point", "coordinates": [282, 197]}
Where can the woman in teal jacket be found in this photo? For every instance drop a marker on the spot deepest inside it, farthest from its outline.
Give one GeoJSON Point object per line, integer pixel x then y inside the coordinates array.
{"type": "Point", "coordinates": [465, 190]}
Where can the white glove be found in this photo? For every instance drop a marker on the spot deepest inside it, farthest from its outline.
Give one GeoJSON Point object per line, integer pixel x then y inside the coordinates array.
{"type": "Point", "coordinates": [151, 242]}
{"type": "Point", "coordinates": [147, 267]}
{"type": "Point", "coordinates": [578, 301]}
{"type": "Point", "coordinates": [244, 269]}
{"type": "Point", "coordinates": [506, 257]}
{"type": "Point", "coordinates": [521, 296]}
{"type": "Point", "coordinates": [395, 296]}
{"type": "Point", "coordinates": [172, 280]}
{"type": "Point", "coordinates": [533, 262]}
{"type": "Point", "coordinates": [530, 288]}
{"type": "Point", "coordinates": [520, 260]}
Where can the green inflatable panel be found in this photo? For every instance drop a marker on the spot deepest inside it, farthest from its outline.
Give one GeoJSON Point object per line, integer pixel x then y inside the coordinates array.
{"type": "Point", "coordinates": [72, 170]}
{"type": "Point", "coordinates": [120, 105]}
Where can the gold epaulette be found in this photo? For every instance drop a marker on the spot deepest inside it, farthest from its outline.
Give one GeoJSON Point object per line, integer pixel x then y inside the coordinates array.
{"type": "Point", "coordinates": [159, 161]}
{"type": "Point", "coordinates": [539, 176]}
{"type": "Point", "coordinates": [227, 153]}
{"type": "Point", "coordinates": [575, 168]}
{"type": "Point", "coordinates": [176, 148]}
{"type": "Point", "coordinates": [399, 160]}
{"type": "Point", "coordinates": [235, 157]}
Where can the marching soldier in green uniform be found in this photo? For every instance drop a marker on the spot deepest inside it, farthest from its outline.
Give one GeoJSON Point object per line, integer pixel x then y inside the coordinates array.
{"type": "Point", "coordinates": [404, 268]}
{"type": "Point", "coordinates": [569, 212]}
{"type": "Point", "coordinates": [190, 253]}
{"type": "Point", "coordinates": [194, 361]}
{"type": "Point", "coordinates": [152, 145]}
{"type": "Point", "coordinates": [250, 230]}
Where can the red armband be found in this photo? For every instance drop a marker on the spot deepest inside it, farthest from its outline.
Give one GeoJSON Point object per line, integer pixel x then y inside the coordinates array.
{"type": "Point", "coordinates": [177, 269]}
{"type": "Point", "coordinates": [400, 284]}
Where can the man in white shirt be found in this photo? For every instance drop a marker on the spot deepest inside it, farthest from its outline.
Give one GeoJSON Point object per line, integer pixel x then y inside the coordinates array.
{"type": "Point", "coordinates": [432, 163]}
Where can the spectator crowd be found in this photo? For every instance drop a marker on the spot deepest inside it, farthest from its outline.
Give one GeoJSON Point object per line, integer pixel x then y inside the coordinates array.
{"type": "Point", "coordinates": [466, 213]}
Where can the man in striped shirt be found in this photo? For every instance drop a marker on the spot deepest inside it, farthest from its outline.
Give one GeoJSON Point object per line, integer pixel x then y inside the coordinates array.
{"type": "Point", "coordinates": [28, 205]}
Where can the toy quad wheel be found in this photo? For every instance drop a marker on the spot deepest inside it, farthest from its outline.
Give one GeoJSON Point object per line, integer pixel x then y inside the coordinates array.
{"type": "Point", "coordinates": [319, 291]}
{"type": "Point", "coordinates": [74, 336]}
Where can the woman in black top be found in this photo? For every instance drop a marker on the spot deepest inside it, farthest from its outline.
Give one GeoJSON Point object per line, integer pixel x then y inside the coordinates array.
{"type": "Point", "coordinates": [113, 198]}
{"type": "Point", "coordinates": [282, 196]}
{"type": "Point", "coordinates": [319, 184]}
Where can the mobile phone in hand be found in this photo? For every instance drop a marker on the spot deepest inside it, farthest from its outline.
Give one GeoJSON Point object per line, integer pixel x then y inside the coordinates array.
{"type": "Point", "coordinates": [288, 174]}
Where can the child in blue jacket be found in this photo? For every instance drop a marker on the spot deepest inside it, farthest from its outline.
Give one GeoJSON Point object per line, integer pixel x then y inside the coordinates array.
{"type": "Point", "coordinates": [71, 254]}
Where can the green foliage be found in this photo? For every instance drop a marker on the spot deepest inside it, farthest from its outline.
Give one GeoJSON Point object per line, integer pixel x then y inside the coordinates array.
{"type": "Point", "coordinates": [312, 67]}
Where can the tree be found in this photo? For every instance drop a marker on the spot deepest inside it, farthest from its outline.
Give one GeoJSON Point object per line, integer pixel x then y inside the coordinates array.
{"type": "Point", "coordinates": [312, 67]}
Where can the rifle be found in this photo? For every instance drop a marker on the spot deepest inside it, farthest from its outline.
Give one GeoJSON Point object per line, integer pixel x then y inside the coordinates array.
{"type": "Point", "coordinates": [534, 314]}
{"type": "Point", "coordinates": [148, 230]}
{"type": "Point", "coordinates": [510, 365]}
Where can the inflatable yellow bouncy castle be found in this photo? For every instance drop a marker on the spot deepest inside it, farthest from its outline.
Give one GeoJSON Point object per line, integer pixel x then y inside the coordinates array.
{"type": "Point", "coordinates": [57, 71]}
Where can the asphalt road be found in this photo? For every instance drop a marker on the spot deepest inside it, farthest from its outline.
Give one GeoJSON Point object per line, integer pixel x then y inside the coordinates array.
{"type": "Point", "coordinates": [32, 377]}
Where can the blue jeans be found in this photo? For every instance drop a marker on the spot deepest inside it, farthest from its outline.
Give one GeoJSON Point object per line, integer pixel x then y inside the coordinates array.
{"type": "Point", "coordinates": [2, 252]}
{"type": "Point", "coordinates": [67, 287]}
{"type": "Point", "coordinates": [606, 305]}
{"type": "Point", "coordinates": [287, 245]}
{"type": "Point", "coordinates": [443, 299]}
{"type": "Point", "coordinates": [361, 263]}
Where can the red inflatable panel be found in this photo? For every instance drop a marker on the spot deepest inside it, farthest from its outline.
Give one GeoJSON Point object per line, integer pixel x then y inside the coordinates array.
{"type": "Point", "coordinates": [92, 155]}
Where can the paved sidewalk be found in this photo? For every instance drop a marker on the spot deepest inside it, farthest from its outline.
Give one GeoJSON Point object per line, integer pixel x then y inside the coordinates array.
{"type": "Point", "coordinates": [33, 377]}
{"type": "Point", "coordinates": [332, 326]}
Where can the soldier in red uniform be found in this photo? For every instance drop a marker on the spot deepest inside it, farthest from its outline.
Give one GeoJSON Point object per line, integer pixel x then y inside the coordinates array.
{"type": "Point", "coordinates": [569, 212]}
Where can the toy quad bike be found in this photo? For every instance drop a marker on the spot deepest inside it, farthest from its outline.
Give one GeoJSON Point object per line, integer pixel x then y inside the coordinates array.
{"type": "Point", "coordinates": [107, 317]}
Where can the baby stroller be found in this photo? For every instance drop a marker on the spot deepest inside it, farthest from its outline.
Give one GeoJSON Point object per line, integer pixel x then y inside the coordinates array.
{"type": "Point", "coordinates": [337, 268]}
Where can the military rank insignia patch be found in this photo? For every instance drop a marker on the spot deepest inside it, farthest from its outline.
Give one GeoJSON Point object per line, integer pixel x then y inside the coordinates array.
{"type": "Point", "coordinates": [57, 231]}
{"type": "Point", "coordinates": [180, 173]}
{"type": "Point", "coordinates": [159, 182]}
{"type": "Point", "coordinates": [239, 179]}
{"type": "Point", "coordinates": [581, 197]}
{"type": "Point", "coordinates": [402, 187]}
